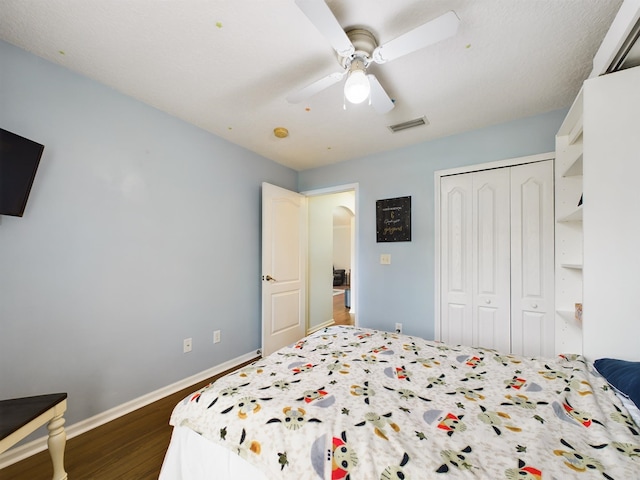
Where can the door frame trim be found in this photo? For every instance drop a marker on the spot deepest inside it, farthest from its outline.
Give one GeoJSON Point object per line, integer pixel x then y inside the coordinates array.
{"type": "Point", "coordinates": [437, 175]}
{"type": "Point", "coordinates": [356, 253]}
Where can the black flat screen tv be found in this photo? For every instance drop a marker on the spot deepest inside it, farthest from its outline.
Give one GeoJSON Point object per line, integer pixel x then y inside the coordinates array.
{"type": "Point", "coordinates": [19, 160]}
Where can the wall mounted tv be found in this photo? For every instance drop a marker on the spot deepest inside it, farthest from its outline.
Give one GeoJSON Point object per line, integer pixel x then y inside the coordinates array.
{"type": "Point", "coordinates": [19, 160]}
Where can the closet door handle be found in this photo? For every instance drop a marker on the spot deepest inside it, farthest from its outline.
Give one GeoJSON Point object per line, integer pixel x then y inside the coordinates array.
{"type": "Point", "coordinates": [488, 301]}
{"type": "Point", "coordinates": [535, 305]}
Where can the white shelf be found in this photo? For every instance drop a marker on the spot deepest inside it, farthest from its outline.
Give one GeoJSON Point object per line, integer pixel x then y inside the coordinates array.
{"type": "Point", "coordinates": [572, 266]}
{"type": "Point", "coordinates": [567, 314]}
{"type": "Point", "coordinates": [576, 132]}
{"type": "Point", "coordinates": [575, 168]}
{"type": "Point", "coordinates": [573, 118]}
{"type": "Point", "coordinates": [575, 216]}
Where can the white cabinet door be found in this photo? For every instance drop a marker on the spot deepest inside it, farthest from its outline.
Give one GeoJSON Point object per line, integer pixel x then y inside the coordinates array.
{"type": "Point", "coordinates": [532, 260]}
{"type": "Point", "coordinates": [456, 281]}
{"type": "Point", "coordinates": [491, 259]}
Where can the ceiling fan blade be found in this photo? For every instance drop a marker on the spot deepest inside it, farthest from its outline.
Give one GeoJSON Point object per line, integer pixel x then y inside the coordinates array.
{"type": "Point", "coordinates": [319, 13]}
{"type": "Point", "coordinates": [315, 87]}
{"type": "Point", "coordinates": [379, 99]}
{"type": "Point", "coordinates": [438, 29]}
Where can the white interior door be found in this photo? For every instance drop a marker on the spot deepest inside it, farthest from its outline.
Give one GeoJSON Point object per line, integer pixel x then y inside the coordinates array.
{"type": "Point", "coordinates": [284, 240]}
{"type": "Point", "coordinates": [491, 259]}
{"type": "Point", "coordinates": [456, 269]}
{"type": "Point", "coordinates": [532, 247]}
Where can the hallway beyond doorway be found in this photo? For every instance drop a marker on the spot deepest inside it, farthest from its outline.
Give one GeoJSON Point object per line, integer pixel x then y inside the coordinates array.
{"type": "Point", "coordinates": [341, 315]}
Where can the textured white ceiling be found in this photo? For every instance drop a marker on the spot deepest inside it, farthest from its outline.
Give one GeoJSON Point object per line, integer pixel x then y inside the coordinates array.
{"type": "Point", "coordinates": [227, 65]}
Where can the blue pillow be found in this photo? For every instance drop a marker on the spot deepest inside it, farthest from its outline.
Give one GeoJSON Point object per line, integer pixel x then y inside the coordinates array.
{"type": "Point", "coordinates": [623, 375]}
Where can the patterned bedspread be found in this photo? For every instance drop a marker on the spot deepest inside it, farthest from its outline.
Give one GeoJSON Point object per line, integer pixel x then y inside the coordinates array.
{"type": "Point", "coordinates": [354, 403]}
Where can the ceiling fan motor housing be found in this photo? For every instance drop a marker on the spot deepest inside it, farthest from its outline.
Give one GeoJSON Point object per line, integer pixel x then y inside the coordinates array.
{"type": "Point", "coordinates": [364, 44]}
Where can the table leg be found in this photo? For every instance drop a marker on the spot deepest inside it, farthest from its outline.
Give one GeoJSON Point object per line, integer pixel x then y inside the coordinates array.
{"type": "Point", "coordinates": [56, 443]}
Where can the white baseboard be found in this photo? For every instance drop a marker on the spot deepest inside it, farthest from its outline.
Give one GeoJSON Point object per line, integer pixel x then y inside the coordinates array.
{"type": "Point", "coordinates": [16, 454]}
{"type": "Point", "coordinates": [320, 327]}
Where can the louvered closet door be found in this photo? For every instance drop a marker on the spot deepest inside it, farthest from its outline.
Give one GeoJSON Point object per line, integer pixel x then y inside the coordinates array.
{"type": "Point", "coordinates": [491, 260]}
{"type": "Point", "coordinates": [456, 269]}
{"type": "Point", "coordinates": [532, 243]}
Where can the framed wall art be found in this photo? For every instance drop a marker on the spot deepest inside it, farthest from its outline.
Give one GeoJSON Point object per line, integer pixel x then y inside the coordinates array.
{"type": "Point", "coordinates": [393, 219]}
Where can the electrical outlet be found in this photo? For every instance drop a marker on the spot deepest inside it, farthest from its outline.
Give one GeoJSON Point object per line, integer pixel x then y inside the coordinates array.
{"type": "Point", "coordinates": [385, 259]}
{"type": "Point", "coordinates": [186, 345]}
{"type": "Point", "coordinates": [398, 328]}
{"type": "Point", "coordinates": [216, 336]}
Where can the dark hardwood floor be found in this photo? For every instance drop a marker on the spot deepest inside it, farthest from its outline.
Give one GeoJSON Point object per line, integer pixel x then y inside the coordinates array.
{"type": "Point", "coordinates": [131, 447]}
{"type": "Point", "coordinates": [341, 315]}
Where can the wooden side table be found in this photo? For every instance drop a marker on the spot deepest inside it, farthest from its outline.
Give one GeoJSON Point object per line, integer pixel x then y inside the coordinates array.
{"type": "Point", "coordinates": [21, 416]}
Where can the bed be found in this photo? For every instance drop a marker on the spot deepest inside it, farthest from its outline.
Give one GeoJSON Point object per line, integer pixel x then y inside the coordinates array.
{"type": "Point", "coordinates": [356, 403]}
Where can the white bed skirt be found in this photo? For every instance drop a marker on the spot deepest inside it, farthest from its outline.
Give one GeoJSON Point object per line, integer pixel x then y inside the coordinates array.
{"type": "Point", "coordinates": [192, 457]}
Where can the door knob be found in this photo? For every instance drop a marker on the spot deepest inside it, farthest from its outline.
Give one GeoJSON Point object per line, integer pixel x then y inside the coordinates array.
{"type": "Point", "coordinates": [535, 305]}
{"type": "Point", "coordinates": [488, 301]}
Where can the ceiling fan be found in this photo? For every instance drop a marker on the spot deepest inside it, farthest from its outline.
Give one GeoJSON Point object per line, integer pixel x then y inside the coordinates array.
{"type": "Point", "coordinates": [357, 48]}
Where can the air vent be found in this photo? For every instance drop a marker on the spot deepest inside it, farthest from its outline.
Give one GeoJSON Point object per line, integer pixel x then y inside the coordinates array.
{"type": "Point", "coordinates": [416, 122]}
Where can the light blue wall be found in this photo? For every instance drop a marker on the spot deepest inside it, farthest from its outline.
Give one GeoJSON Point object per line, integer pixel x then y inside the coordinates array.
{"type": "Point", "coordinates": [404, 291]}
{"type": "Point", "coordinates": [140, 230]}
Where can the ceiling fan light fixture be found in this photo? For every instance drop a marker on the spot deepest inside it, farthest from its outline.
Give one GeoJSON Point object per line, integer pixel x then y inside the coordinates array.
{"type": "Point", "coordinates": [357, 88]}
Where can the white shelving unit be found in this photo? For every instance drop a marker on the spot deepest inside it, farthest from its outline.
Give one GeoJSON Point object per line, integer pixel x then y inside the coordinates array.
{"type": "Point", "coordinates": [611, 224]}
{"type": "Point", "coordinates": [569, 245]}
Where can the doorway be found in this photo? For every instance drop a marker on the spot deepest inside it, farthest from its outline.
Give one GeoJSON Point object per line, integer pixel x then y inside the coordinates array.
{"type": "Point", "coordinates": [342, 252]}
{"type": "Point", "coordinates": [332, 254]}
